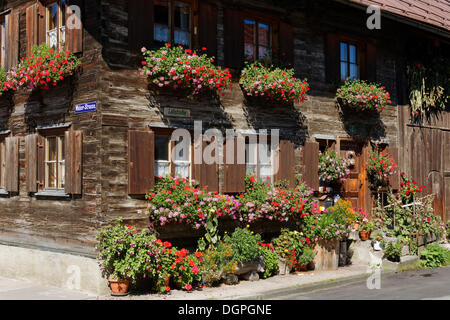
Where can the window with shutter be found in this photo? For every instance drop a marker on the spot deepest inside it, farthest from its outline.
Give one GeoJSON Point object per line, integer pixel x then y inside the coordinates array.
{"type": "Point", "coordinates": [11, 40]}
{"type": "Point", "coordinates": [259, 160]}
{"type": "Point", "coordinates": [234, 170]}
{"type": "Point", "coordinates": [349, 58]}
{"type": "Point", "coordinates": [286, 163]}
{"type": "Point", "coordinates": [55, 23]}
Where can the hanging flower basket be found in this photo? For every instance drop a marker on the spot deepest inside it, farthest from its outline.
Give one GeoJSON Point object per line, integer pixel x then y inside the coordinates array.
{"type": "Point", "coordinates": [183, 69]}
{"type": "Point", "coordinates": [380, 166]}
{"type": "Point", "coordinates": [43, 69]}
{"type": "Point", "coordinates": [360, 96]}
{"type": "Point", "coordinates": [273, 85]}
{"type": "Point", "coordinates": [332, 168]}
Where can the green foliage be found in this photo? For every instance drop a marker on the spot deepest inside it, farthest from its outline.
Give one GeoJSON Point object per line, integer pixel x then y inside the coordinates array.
{"type": "Point", "coordinates": [271, 261]}
{"type": "Point", "coordinates": [328, 225]}
{"type": "Point", "coordinates": [288, 241]}
{"type": "Point", "coordinates": [306, 257]}
{"type": "Point", "coordinates": [217, 260]}
{"type": "Point", "coordinates": [393, 251]}
{"type": "Point", "coordinates": [380, 165]}
{"type": "Point", "coordinates": [434, 256]}
{"type": "Point", "coordinates": [245, 245]}
{"type": "Point", "coordinates": [124, 252]}
{"type": "Point", "coordinates": [367, 225]}
{"type": "Point", "coordinates": [362, 96]}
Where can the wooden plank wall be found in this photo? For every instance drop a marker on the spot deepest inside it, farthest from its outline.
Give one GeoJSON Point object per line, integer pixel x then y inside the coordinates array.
{"type": "Point", "coordinates": [425, 156]}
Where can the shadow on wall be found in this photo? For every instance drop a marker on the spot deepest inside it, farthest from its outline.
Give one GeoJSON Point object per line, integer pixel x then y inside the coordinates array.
{"type": "Point", "coordinates": [175, 108]}
{"type": "Point", "coordinates": [261, 114]}
{"type": "Point", "coordinates": [362, 125]}
{"type": "Point", "coordinates": [47, 107]}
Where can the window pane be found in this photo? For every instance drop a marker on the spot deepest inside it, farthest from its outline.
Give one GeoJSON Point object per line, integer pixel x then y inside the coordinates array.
{"type": "Point", "coordinates": [62, 155]}
{"type": "Point", "coordinates": [263, 34]}
{"type": "Point", "coordinates": [354, 71]}
{"type": "Point", "coordinates": [352, 54]}
{"type": "Point", "coordinates": [161, 26]}
{"type": "Point", "coordinates": [182, 16]}
{"type": "Point", "coordinates": [344, 74]}
{"type": "Point", "coordinates": [250, 153]}
{"type": "Point", "coordinates": [250, 168]}
{"type": "Point", "coordinates": [52, 13]}
{"type": "Point", "coordinates": [265, 171]}
{"type": "Point", "coordinates": [62, 173]}
{"type": "Point", "coordinates": [264, 54]}
{"type": "Point", "coordinates": [51, 149]}
{"type": "Point", "coordinates": [161, 168]}
{"type": "Point", "coordinates": [343, 51]}
{"type": "Point", "coordinates": [162, 148]}
{"type": "Point", "coordinates": [249, 40]}
{"type": "Point", "coordinates": [182, 37]}
{"type": "Point", "coordinates": [264, 154]}
{"type": "Point", "coordinates": [51, 175]}
{"type": "Point", "coordinates": [183, 152]}
{"type": "Point", "coordinates": [182, 169]}
{"type": "Point", "coordinates": [63, 12]}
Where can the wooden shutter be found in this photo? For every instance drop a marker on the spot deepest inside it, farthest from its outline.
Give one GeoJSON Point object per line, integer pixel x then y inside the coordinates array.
{"type": "Point", "coordinates": [140, 24]}
{"type": "Point", "coordinates": [205, 174]}
{"type": "Point", "coordinates": [141, 161]}
{"type": "Point", "coordinates": [73, 161]}
{"type": "Point", "coordinates": [286, 163]}
{"type": "Point", "coordinates": [12, 164]}
{"type": "Point", "coordinates": [286, 40]}
{"type": "Point", "coordinates": [12, 47]}
{"type": "Point", "coordinates": [31, 160]}
{"type": "Point", "coordinates": [207, 28]}
{"type": "Point", "coordinates": [311, 164]}
{"type": "Point", "coordinates": [394, 180]}
{"type": "Point", "coordinates": [332, 58]}
{"type": "Point", "coordinates": [371, 62]}
{"type": "Point", "coordinates": [74, 36]}
{"type": "Point", "coordinates": [234, 38]}
{"type": "Point", "coordinates": [234, 174]}
{"type": "Point", "coordinates": [35, 25]}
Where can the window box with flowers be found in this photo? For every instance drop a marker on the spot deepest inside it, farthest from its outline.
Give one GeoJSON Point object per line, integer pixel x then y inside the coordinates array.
{"type": "Point", "coordinates": [361, 96]}
{"type": "Point", "coordinates": [183, 69]}
{"type": "Point", "coordinates": [273, 85]}
{"type": "Point", "coordinates": [380, 166]}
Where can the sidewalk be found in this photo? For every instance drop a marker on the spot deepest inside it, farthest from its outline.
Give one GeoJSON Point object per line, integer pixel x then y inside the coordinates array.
{"type": "Point", "coordinates": [270, 288]}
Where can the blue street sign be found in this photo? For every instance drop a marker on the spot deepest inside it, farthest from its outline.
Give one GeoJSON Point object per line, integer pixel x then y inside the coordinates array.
{"type": "Point", "coordinates": [86, 107]}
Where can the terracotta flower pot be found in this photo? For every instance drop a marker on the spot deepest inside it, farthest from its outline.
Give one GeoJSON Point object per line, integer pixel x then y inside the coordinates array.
{"type": "Point", "coordinates": [364, 235]}
{"type": "Point", "coordinates": [119, 287]}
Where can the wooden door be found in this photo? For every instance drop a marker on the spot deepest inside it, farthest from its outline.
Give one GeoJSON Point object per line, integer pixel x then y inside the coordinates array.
{"type": "Point", "coordinates": [354, 187]}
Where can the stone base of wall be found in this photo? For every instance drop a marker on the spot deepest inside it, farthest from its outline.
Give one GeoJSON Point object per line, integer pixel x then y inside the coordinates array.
{"type": "Point", "coordinates": [51, 268]}
{"type": "Point", "coordinates": [326, 255]}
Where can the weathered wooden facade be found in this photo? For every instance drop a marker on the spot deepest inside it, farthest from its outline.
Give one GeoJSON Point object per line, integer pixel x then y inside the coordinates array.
{"type": "Point", "coordinates": [109, 157]}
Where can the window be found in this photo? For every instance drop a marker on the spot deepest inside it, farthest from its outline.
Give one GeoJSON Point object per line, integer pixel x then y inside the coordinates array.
{"type": "Point", "coordinates": [2, 164]}
{"type": "Point", "coordinates": [55, 24]}
{"type": "Point", "coordinates": [54, 162]}
{"type": "Point", "coordinates": [349, 61]}
{"type": "Point", "coordinates": [3, 41]}
{"type": "Point", "coordinates": [257, 41]}
{"type": "Point", "coordinates": [258, 160]}
{"type": "Point", "coordinates": [164, 164]}
{"type": "Point", "coordinates": [173, 21]}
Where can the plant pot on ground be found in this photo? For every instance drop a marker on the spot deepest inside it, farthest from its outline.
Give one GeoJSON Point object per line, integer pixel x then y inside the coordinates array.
{"type": "Point", "coordinates": [119, 287]}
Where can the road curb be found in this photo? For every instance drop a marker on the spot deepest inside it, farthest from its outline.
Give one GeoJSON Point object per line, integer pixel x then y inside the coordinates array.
{"type": "Point", "coordinates": [314, 286]}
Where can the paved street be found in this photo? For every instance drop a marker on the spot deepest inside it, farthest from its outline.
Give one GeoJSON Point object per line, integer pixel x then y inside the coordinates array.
{"type": "Point", "coordinates": [411, 285]}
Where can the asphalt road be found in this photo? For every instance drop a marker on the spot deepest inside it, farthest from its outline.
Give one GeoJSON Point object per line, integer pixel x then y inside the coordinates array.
{"type": "Point", "coordinates": [431, 284]}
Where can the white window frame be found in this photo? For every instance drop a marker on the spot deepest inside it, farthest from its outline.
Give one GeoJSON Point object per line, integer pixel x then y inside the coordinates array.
{"type": "Point", "coordinates": [60, 28]}
{"type": "Point", "coordinates": [59, 163]}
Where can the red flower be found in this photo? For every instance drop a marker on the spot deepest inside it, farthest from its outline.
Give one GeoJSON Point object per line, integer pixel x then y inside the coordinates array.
{"type": "Point", "coordinates": [167, 288]}
{"type": "Point", "coordinates": [188, 287]}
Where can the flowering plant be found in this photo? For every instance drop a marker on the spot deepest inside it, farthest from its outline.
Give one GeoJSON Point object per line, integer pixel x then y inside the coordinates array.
{"type": "Point", "coordinates": [393, 251]}
{"type": "Point", "coordinates": [344, 212]}
{"type": "Point", "coordinates": [217, 260]}
{"type": "Point", "coordinates": [380, 166]}
{"type": "Point", "coordinates": [185, 268]}
{"type": "Point", "coordinates": [270, 260]}
{"type": "Point", "coordinates": [273, 84]}
{"type": "Point", "coordinates": [367, 225]}
{"type": "Point", "coordinates": [408, 189]}
{"type": "Point", "coordinates": [289, 245]}
{"type": "Point", "coordinates": [43, 69]}
{"type": "Point", "coordinates": [362, 96]}
{"type": "Point", "coordinates": [124, 252]}
{"type": "Point", "coordinates": [332, 167]}
{"type": "Point", "coordinates": [184, 69]}
{"type": "Point", "coordinates": [325, 226]}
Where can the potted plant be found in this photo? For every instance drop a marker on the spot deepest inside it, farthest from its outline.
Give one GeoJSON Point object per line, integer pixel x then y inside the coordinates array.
{"type": "Point", "coordinates": [288, 247]}
{"type": "Point", "coordinates": [360, 96]}
{"type": "Point", "coordinates": [393, 251]}
{"type": "Point", "coordinates": [378, 243]}
{"type": "Point", "coordinates": [365, 228]}
{"type": "Point", "coordinates": [305, 258]}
